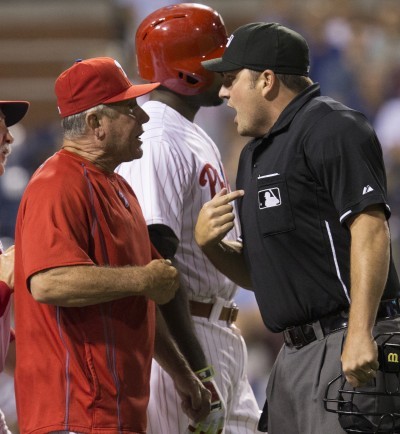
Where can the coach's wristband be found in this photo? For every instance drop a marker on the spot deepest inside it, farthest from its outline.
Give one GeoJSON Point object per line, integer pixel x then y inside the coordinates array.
{"type": "Point", "coordinates": [5, 294]}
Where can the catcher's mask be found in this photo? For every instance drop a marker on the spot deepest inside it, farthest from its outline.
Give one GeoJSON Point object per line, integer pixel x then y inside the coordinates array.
{"type": "Point", "coordinates": [374, 408]}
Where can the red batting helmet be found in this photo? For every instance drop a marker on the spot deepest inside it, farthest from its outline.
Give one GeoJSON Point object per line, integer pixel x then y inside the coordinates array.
{"type": "Point", "coordinates": [172, 41]}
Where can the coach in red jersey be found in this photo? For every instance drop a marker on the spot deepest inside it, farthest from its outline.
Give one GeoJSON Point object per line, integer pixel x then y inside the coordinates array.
{"type": "Point", "coordinates": [86, 274]}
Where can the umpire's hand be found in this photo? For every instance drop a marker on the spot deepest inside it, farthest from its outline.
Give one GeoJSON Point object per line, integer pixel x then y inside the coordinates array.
{"type": "Point", "coordinates": [216, 218]}
{"type": "Point", "coordinates": [359, 358]}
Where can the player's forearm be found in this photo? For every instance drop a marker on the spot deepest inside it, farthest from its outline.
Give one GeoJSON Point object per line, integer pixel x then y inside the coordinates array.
{"type": "Point", "coordinates": [166, 351]}
{"type": "Point", "coordinates": [84, 285]}
{"type": "Point", "coordinates": [176, 313]}
{"type": "Point", "coordinates": [370, 255]}
{"type": "Point", "coordinates": [177, 316]}
{"type": "Point", "coordinates": [195, 397]}
{"type": "Point", "coordinates": [227, 257]}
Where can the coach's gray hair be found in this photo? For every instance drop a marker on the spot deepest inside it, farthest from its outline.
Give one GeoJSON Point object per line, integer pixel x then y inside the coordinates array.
{"type": "Point", "coordinates": [74, 126]}
{"type": "Point", "coordinates": [296, 83]}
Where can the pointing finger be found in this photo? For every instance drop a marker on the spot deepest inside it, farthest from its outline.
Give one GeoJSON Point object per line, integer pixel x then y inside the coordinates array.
{"type": "Point", "coordinates": [223, 197]}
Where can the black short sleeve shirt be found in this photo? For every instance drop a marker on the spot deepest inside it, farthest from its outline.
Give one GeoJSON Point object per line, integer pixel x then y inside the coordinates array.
{"type": "Point", "coordinates": [320, 164]}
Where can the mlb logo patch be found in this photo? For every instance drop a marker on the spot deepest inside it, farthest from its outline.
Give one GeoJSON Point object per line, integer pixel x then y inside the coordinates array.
{"type": "Point", "coordinates": [269, 198]}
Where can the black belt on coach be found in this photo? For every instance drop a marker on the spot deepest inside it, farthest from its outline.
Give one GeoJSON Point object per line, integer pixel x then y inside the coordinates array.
{"type": "Point", "coordinates": [299, 336]}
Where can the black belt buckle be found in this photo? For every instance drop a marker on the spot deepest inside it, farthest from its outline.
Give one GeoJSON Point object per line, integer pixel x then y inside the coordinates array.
{"type": "Point", "coordinates": [288, 337]}
{"type": "Point", "coordinates": [299, 336]}
{"type": "Point", "coordinates": [334, 323]}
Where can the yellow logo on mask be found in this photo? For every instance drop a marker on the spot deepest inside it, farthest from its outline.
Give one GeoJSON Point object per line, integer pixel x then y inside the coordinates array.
{"type": "Point", "coordinates": [393, 358]}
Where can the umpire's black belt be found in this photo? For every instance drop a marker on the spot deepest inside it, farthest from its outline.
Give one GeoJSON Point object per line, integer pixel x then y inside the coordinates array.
{"type": "Point", "coordinates": [299, 336]}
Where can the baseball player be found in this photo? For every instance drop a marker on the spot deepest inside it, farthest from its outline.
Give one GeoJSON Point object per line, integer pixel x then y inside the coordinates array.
{"type": "Point", "coordinates": [180, 170]}
{"type": "Point", "coordinates": [11, 112]}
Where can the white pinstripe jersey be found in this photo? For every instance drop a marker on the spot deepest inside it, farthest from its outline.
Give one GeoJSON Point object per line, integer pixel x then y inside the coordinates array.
{"type": "Point", "coordinates": [180, 170]}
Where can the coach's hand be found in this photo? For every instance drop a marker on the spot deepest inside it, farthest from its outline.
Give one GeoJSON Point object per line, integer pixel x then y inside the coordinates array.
{"type": "Point", "coordinates": [214, 423]}
{"type": "Point", "coordinates": [216, 218]}
{"type": "Point", "coordinates": [163, 281]}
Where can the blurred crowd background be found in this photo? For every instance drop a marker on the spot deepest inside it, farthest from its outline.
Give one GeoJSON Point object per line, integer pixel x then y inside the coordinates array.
{"type": "Point", "coordinates": [355, 56]}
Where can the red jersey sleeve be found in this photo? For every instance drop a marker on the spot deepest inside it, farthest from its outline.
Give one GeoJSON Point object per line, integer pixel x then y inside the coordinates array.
{"type": "Point", "coordinates": [56, 218]}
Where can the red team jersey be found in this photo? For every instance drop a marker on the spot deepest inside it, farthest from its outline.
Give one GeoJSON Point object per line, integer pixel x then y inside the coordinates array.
{"type": "Point", "coordinates": [81, 369]}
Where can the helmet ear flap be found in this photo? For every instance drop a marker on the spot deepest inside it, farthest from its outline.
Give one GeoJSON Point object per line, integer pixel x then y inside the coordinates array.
{"type": "Point", "coordinates": [172, 42]}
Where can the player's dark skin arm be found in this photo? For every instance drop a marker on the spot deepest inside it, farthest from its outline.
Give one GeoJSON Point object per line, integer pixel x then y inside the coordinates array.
{"type": "Point", "coordinates": [195, 397]}
{"type": "Point", "coordinates": [176, 312]}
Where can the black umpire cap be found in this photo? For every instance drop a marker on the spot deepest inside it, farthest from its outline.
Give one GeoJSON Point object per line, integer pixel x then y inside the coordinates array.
{"type": "Point", "coordinates": [261, 46]}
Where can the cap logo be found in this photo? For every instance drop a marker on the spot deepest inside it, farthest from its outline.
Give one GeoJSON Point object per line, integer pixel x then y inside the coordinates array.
{"type": "Point", "coordinates": [229, 40]}
{"type": "Point", "coordinates": [120, 67]}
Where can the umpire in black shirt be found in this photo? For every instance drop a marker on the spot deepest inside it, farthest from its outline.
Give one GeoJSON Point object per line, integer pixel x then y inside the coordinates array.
{"type": "Point", "coordinates": [313, 210]}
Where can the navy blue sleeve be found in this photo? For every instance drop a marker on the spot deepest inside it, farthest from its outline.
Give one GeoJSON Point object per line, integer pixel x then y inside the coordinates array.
{"type": "Point", "coordinates": [345, 157]}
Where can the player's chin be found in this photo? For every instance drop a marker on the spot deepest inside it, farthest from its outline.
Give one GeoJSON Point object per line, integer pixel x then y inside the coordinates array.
{"type": "Point", "coordinates": [218, 101]}
{"type": "Point", "coordinates": [138, 153]}
{"type": "Point", "coordinates": [214, 102]}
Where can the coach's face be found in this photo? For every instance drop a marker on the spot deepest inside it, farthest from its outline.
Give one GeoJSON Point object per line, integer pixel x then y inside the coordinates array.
{"type": "Point", "coordinates": [124, 131]}
{"type": "Point", "coordinates": [5, 141]}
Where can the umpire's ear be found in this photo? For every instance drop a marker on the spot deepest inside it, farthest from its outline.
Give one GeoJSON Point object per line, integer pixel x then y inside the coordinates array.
{"type": "Point", "coordinates": [269, 84]}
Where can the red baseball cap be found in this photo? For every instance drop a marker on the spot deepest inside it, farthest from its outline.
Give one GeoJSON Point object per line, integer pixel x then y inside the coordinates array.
{"type": "Point", "coordinates": [88, 83]}
{"type": "Point", "coordinates": [13, 111]}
